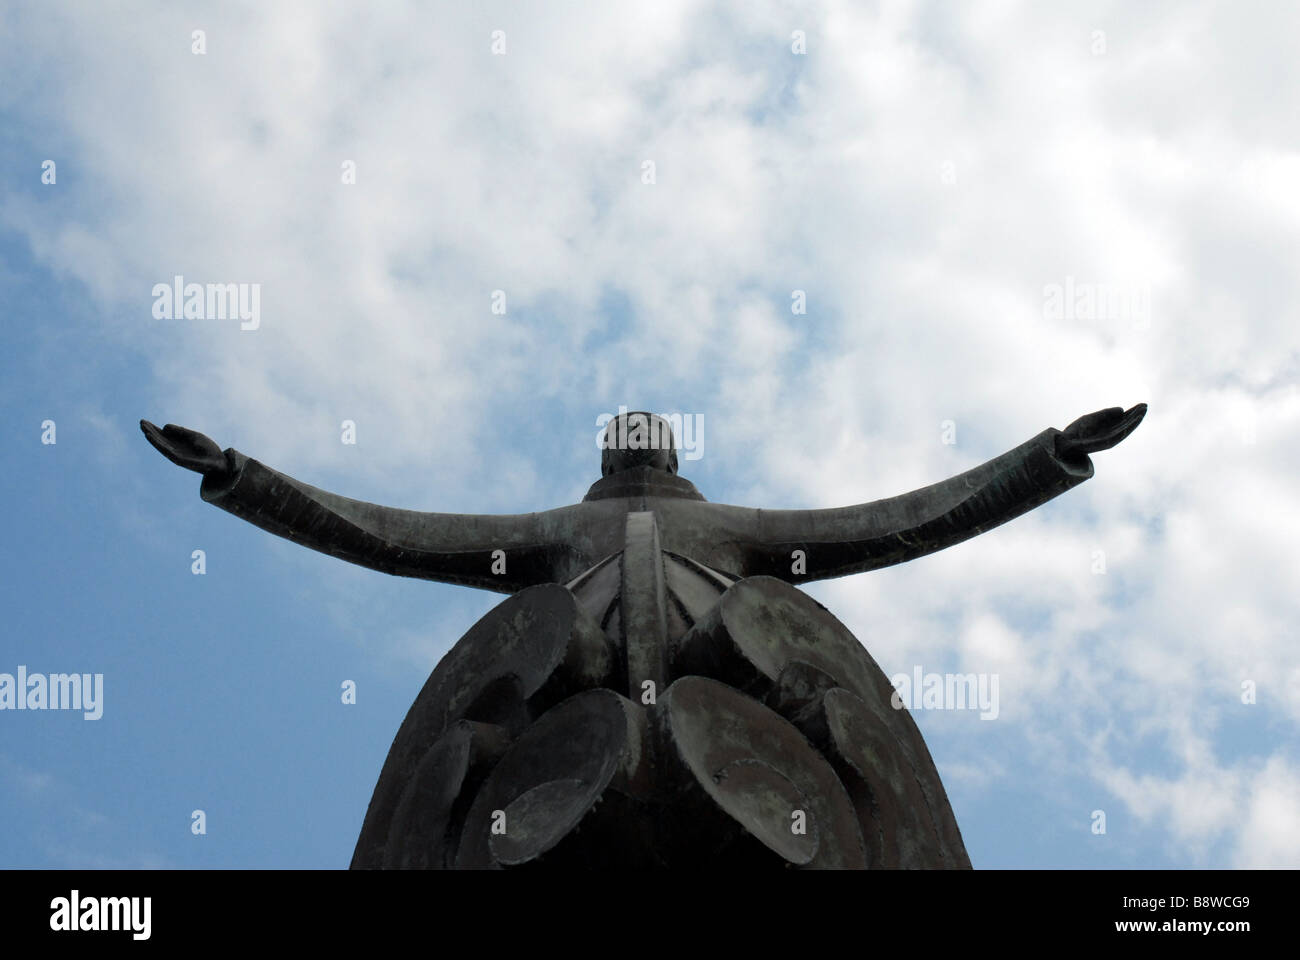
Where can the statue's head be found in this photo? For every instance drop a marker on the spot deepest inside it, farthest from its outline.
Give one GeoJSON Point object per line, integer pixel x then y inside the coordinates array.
{"type": "Point", "coordinates": [638, 439]}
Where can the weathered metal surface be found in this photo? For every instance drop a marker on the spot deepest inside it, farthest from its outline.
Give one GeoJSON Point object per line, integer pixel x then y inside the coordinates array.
{"type": "Point", "coordinates": [564, 777]}
{"type": "Point", "coordinates": [762, 624]}
{"type": "Point", "coordinates": [644, 605]}
{"type": "Point", "coordinates": [734, 768]}
{"type": "Point", "coordinates": [766, 736]}
{"type": "Point", "coordinates": [426, 823]}
{"type": "Point", "coordinates": [524, 656]}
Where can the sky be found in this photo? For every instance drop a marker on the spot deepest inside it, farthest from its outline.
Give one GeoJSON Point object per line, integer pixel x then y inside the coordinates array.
{"type": "Point", "coordinates": [474, 229]}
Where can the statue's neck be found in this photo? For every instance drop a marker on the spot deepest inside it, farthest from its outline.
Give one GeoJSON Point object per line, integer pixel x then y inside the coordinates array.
{"type": "Point", "coordinates": [643, 482]}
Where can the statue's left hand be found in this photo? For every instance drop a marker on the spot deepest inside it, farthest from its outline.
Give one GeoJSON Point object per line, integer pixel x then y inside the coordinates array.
{"type": "Point", "coordinates": [187, 448]}
{"type": "Point", "coordinates": [1098, 431]}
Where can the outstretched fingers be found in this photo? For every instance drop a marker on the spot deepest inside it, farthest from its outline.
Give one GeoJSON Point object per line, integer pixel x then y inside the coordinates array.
{"type": "Point", "coordinates": [1126, 425]}
{"type": "Point", "coordinates": [185, 447]}
{"type": "Point", "coordinates": [160, 442]}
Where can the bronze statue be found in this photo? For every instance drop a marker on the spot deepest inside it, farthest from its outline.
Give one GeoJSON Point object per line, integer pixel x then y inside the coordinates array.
{"type": "Point", "coordinates": [655, 692]}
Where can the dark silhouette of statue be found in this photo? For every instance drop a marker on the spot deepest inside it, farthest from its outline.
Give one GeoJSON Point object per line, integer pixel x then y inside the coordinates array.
{"type": "Point", "coordinates": [655, 692]}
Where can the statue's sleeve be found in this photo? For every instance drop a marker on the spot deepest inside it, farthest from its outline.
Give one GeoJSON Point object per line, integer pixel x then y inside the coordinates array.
{"type": "Point", "coordinates": [449, 547]}
{"type": "Point", "coordinates": [846, 540]}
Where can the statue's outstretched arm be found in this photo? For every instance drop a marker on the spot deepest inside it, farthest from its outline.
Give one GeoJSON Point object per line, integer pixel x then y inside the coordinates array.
{"type": "Point", "coordinates": [449, 547]}
{"type": "Point", "coordinates": [847, 540]}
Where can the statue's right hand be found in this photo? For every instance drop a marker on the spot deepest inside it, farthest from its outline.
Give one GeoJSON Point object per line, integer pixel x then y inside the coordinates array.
{"type": "Point", "coordinates": [186, 448]}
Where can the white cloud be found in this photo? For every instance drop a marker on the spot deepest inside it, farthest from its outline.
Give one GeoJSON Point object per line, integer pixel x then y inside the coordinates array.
{"type": "Point", "coordinates": [1270, 836]}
